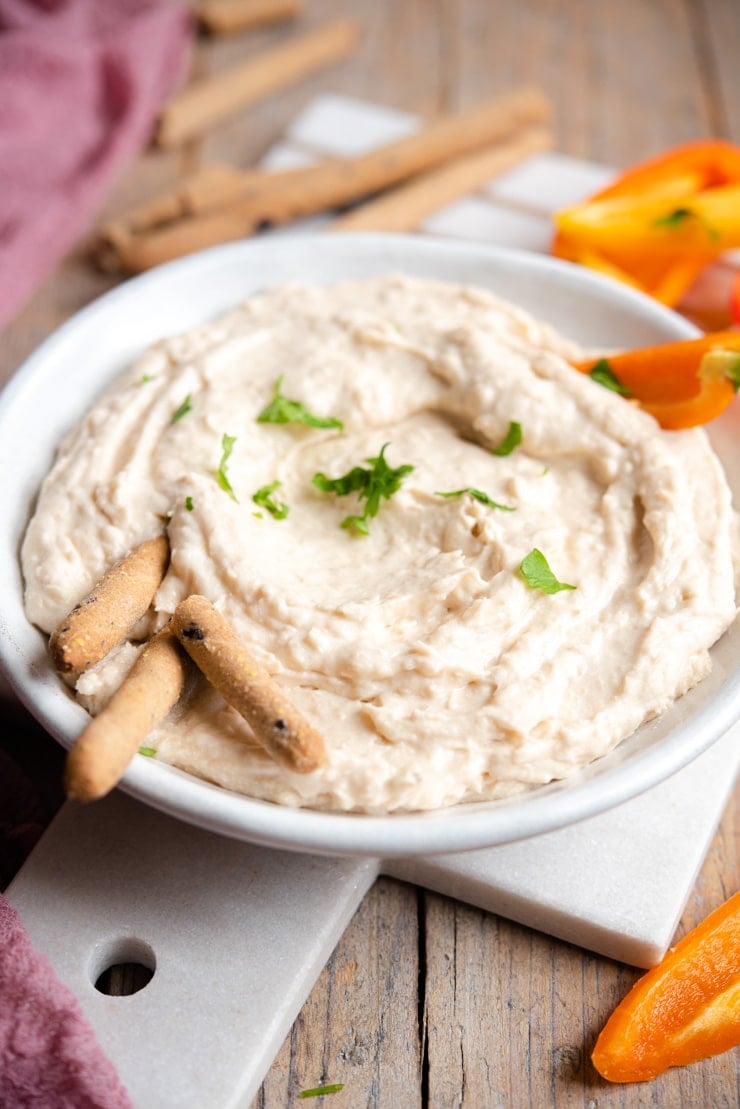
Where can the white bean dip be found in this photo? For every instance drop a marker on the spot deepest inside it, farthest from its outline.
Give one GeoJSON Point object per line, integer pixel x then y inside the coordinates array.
{"type": "Point", "coordinates": [434, 671]}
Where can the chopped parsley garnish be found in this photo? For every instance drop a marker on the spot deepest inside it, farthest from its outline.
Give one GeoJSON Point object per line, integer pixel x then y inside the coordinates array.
{"type": "Point", "coordinates": [479, 496]}
{"type": "Point", "coordinates": [189, 504]}
{"type": "Point", "coordinates": [318, 1091]}
{"type": "Point", "coordinates": [372, 485]}
{"type": "Point", "coordinates": [263, 497]}
{"type": "Point", "coordinates": [283, 410]}
{"type": "Point", "coordinates": [679, 216]}
{"type": "Point", "coordinates": [183, 410]}
{"type": "Point", "coordinates": [511, 440]}
{"type": "Point", "coordinates": [227, 446]}
{"type": "Point", "coordinates": [144, 378]}
{"type": "Point", "coordinates": [603, 374]}
{"type": "Point", "coordinates": [536, 572]}
{"type": "Point", "coordinates": [148, 752]}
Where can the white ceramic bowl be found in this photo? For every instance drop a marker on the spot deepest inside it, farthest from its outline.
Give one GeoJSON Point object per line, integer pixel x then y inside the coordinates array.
{"type": "Point", "coordinates": [59, 382]}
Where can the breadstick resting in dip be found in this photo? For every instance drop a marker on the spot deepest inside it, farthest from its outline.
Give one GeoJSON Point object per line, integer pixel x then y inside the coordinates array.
{"type": "Point", "coordinates": [449, 564]}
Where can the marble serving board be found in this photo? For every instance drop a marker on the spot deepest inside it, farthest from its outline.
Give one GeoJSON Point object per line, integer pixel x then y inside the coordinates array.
{"type": "Point", "coordinates": [237, 934]}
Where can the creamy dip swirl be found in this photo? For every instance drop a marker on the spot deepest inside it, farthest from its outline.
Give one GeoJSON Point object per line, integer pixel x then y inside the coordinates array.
{"type": "Point", "coordinates": [435, 673]}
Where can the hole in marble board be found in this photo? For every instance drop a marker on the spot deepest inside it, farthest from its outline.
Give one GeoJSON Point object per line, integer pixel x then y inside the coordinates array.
{"type": "Point", "coordinates": [122, 966]}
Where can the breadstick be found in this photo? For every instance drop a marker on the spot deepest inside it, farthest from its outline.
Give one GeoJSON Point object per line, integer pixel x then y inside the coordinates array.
{"type": "Point", "coordinates": [211, 188]}
{"type": "Point", "coordinates": [335, 183]}
{"type": "Point", "coordinates": [206, 188]}
{"type": "Point", "coordinates": [111, 739]}
{"type": "Point", "coordinates": [404, 208]}
{"type": "Point", "coordinates": [215, 648]}
{"type": "Point", "coordinates": [102, 619]}
{"type": "Point", "coordinates": [224, 17]}
{"type": "Point", "coordinates": [213, 99]}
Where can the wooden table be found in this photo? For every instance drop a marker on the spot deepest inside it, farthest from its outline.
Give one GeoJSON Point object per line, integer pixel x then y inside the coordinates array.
{"type": "Point", "coordinates": [426, 1001]}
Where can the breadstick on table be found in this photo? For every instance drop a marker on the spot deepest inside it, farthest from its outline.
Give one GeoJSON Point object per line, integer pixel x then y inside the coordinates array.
{"type": "Point", "coordinates": [224, 17]}
{"type": "Point", "coordinates": [215, 648]}
{"type": "Point", "coordinates": [208, 102]}
{"type": "Point", "coordinates": [204, 189]}
{"type": "Point", "coordinates": [404, 208]}
{"type": "Point", "coordinates": [102, 619]}
{"type": "Point", "coordinates": [209, 189]}
{"type": "Point", "coordinates": [106, 746]}
{"type": "Point", "coordinates": [343, 181]}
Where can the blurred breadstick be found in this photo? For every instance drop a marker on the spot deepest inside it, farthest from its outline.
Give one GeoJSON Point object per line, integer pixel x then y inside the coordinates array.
{"type": "Point", "coordinates": [102, 619]}
{"type": "Point", "coordinates": [336, 183]}
{"type": "Point", "coordinates": [208, 102]}
{"type": "Point", "coordinates": [206, 188]}
{"type": "Point", "coordinates": [404, 208]}
{"type": "Point", "coordinates": [209, 189]}
{"type": "Point", "coordinates": [111, 739]}
{"type": "Point", "coordinates": [215, 648]}
{"type": "Point", "coordinates": [224, 17]}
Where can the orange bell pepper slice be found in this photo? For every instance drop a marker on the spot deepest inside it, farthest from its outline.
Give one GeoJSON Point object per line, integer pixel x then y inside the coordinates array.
{"type": "Point", "coordinates": [735, 301]}
{"type": "Point", "coordinates": [659, 224]}
{"type": "Point", "coordinates": [707, 163]}
{"type": "Point", "coordinates": [681, 384]}
{"type": "Point", "coordinates": [685, 1009]}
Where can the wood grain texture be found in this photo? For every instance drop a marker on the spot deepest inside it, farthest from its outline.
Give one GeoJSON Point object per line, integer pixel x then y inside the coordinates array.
{"type": "Point", "coordinates": [427, 1001]}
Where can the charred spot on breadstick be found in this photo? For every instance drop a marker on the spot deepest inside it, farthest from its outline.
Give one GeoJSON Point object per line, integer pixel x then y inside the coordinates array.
{"type": "Point", "coordinates": [244, 684]}
{"type": "Point", "coordinates": [99, 622]}
{"type": "Point", "coordinates": [193, 632]}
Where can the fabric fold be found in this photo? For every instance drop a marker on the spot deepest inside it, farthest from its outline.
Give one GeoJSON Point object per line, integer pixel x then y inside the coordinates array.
{"type": "Point", "coordinates": [81, 83]}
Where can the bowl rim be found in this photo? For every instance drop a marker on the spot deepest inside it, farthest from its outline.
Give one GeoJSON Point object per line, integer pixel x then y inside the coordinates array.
{"type": "Point", "coordinates": [458, 828]}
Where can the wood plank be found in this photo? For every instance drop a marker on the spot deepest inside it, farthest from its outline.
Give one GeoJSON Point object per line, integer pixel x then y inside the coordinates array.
{"type": "Point", "coordinates": [360, 1025]}
{"type": "Point", "coordinates": [717, 34]}
{"type": "Point", "coordinates": [623, 76]}
{"type": "Point", "coordinates": [512, 1015]}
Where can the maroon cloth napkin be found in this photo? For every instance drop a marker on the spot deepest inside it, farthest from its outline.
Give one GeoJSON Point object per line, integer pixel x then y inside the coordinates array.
{"type": "Point", "coordinates": [49, 1057]}
{"type": "Point", "coordinates": [81, 82]}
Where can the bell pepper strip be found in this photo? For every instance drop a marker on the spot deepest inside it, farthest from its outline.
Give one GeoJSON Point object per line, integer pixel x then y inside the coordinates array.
{"type": "Point", "coordinates": [735, 301]}
{"type": "Point", "coordinates": [659, 224]}
{"type": "Point", "coordinates": [685, 1009]}
{"type": "Point", "coordinates": [681, 384]}
{"type": "Point", "coordinates": [707, 163]}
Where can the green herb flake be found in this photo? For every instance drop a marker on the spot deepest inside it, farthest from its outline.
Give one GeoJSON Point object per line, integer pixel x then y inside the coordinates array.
{"type": "Point", "coordinates": [536, 572]}
{"type": "Point", "coordinates": [144, 378]}
{"type": "Point", "coordinates": [183, 410]}
{"type": "Point", "coordinates": [511, 440]}
{"type": "Point", "coordinates": [264, 498]}
{"type": "Point", "coordinates": [680, 216]}
{"type": "Point", "coordinates": [319, 1091]}
{"type": "Point", "coordinates": [479, 496]}
{"type": "Point", "coordinates": [189, 504]}
{"type": "Point", "coordinates": [283, 410]}
{"type": "Point", "coordinates": [148, 752]}
{"type": "Point", "coordinates": [372, 485]}
{"type": "Point", "coordinates": [603, 374]}
{"type": "Point", "coordinates": [227, 446]}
